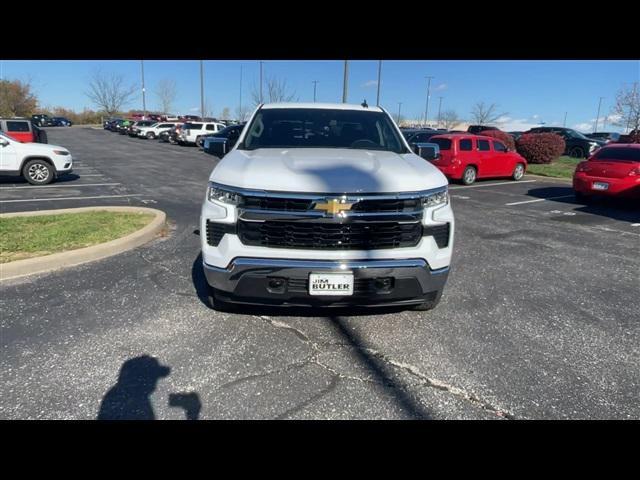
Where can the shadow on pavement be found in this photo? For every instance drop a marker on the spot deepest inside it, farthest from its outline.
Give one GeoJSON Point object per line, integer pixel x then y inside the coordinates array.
{"type": "Point", "coordinates": [129, 398]}
{"type": "Point", "coordinates": [626, 210]}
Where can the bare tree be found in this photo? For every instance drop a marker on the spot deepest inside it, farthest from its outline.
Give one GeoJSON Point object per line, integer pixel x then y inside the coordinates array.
{"type": "Point", "coordinates": [627, 108]}
{"type": "Point", "coordinates": [242, 114]}
{"type": "Point", "coordinates": [166, 93]}
{"type": "Point", "coordinates": [449, 119]}
{"type": "Point", "coordinates": [109, 92]}
{"type": "Point", "coordinates": [277, 90]}
{"type": "Point", "coordinates": [17, 99]}
{"type": "Point", "coordinates": [482, 114]}
{"type": "Point", "coordinates": [226, 113]}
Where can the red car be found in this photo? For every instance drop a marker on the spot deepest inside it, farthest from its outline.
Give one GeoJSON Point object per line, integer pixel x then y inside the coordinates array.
{"type": "Point", "coordinates": [467, 157]}
{"type": "Point", "coordinates": [613, 170]}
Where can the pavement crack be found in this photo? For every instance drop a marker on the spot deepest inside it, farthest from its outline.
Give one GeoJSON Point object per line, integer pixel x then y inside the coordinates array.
{"type": "Point", "coordinates": [440, 385]}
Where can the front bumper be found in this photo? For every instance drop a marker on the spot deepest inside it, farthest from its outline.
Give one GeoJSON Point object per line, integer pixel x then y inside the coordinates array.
{"type": "Point", "coordinates": [248, 281]}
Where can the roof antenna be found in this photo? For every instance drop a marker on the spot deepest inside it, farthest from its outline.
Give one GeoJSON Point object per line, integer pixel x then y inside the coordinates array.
{"type": "Point", "coordinates": [364, 104]}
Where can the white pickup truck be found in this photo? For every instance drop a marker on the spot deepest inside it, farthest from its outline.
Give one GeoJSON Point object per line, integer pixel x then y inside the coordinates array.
{"type": "Point", "coordinates": [191, 131]}
{"type": "Point", "coordinates": [325, 205]}
{"type": "Point", "coordinates": [38, 163]}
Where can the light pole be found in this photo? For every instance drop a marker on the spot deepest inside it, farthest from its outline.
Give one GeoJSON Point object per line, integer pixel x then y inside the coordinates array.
{"type": "Point", "coordinates": [439, 109]}
{"type": "Point", "coordinates": [261, 81]}
{"type": "Point", "coordinates": [345, 81]}
{"type": "Point", "coordinates": [201, 90]}
{"type": "Point", "coordinates": [240, 108]}
{"type": "Point", "coordinates": [144, 103]}
{"type": "Point", "coordinates": [315, 83]}
{"type": "Point", "coordinates": [379, 74]}
{"type": "Point", "coordinates": [426, 108]}
{"type": "Point", "coordinates": [399, 105]}
{"type": "Point", "coordinates": [564, 124]}
{"type": "Point", "coordinates": [595, 129]}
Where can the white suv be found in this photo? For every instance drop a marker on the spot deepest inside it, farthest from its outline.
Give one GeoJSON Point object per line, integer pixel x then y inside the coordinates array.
{"type": "Point", "coordinates": [325, 205]}
{"type": "Point", "coordinates": [191, 131]}
{"type": "Point", "coordinates": [38, 163]}
{"type": "Point", "coordinates": [155, 130]}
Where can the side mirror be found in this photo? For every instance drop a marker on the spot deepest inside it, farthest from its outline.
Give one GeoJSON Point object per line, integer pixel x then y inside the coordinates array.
{"type": "Point", "coordinates": [428, 151]}
{"type": "Point", "coordinates": [4, 142]}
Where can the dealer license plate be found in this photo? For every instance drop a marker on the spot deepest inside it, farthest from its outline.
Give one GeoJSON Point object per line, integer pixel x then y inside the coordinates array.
{"type": "Point", "coordinates": [331, 284]}
{"type": "Point", "coordinates": [600, 186]}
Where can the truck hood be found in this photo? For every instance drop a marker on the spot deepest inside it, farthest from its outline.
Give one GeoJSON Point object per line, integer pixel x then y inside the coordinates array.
{"type": "Point", "coordinates": [327, 170]}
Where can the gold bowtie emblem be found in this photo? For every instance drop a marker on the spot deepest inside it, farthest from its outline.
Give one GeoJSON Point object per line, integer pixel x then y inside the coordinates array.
{"type": "Point", "coordinates": [333, 206]}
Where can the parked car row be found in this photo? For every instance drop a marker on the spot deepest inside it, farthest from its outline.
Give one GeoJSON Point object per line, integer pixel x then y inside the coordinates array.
{"type": "Point", "coordinates": [43, 120]}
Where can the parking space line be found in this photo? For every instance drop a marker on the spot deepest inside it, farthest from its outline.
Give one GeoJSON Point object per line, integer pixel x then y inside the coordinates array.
{"type": "Point", "coordinates": [93, 175]}
{"type": "Point", "coordinates": [492, 184]}
{"type": "Point", "coordinates": [61, 186]}
{"type": "Point", "coordinates": [539, 200]}
{"type": "Point", "coordinates": [72, 198]}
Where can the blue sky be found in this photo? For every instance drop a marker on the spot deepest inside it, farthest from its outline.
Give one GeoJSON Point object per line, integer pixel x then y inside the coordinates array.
{"type": "Point", "coordinates": [528, 92]}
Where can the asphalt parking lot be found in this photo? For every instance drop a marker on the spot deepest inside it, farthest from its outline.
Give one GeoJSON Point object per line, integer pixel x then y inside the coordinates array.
{"type": "Point", "coordinates": [540, 318]}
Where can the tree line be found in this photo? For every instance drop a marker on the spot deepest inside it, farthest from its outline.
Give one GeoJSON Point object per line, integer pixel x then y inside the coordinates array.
{"type": "Point", "coordinates": [111, 94]}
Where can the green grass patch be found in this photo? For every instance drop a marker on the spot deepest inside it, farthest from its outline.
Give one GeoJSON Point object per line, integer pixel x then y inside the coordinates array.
{"type": "Point", "coordinates": [25, 237]}
{"type": "Point", "coordinates": [563, 167]}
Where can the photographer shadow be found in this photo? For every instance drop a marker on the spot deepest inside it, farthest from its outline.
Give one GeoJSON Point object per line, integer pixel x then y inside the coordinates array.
{"type": "Point", "coordinates": [130, 397]}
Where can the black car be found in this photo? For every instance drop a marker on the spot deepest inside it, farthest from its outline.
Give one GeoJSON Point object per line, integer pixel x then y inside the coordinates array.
{"type": "Point", "coordinates": [577, 145]}
{"type": "Point", "coordinates": [476, 129]}
{"type": "Point", "coordinates": [419, 136]}
{"type": "Point", "coordinates": [604, 136]}
{"type": "Point", "coordinates": [41, 120]}
{"type": "Point", "coordinates": [515, 135]}
{"type": "Point", "coordinates": [61, 122]}
{"type": "Point", "coordinates": [221, 142]}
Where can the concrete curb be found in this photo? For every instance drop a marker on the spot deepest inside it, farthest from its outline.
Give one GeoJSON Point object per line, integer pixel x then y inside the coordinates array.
{"type": "Point", "coordinates": [56, 261]}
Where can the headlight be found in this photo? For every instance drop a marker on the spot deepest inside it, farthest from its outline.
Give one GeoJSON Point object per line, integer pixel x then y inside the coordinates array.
{"type": "Point", "coordinates": [223, 196]}
{"type": "Point", "coordinates": [435, 199]}
{"type": "Point", "coordinates": [61, 152]}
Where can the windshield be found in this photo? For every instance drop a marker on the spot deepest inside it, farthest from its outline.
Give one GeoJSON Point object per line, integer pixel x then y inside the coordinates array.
{"type": "Point", "coordinates": [574, 134]}
{"type": "Point", "coordinates": [322, 128]}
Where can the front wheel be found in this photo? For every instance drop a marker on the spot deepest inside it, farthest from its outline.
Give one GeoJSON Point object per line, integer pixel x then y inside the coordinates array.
{"type": "Point", "coordinates": [576, 152]}
{"type": "Point", "coordinates": [150, 135]}
{"type": "Point", "coordinates": [518, 172]}
{"type": "Point", "coordinates": [38, 172]}
{"type": "Point", "coordinates": [469, 175]}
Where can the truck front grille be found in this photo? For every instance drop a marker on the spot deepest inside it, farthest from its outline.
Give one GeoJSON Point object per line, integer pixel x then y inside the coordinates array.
{"type": "Point", "coordinates": [330, 236]}
{"type": "Point", "coordinates": [303, 205]}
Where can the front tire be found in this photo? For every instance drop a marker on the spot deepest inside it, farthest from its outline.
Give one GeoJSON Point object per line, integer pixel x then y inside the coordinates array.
{"type": "Point", "coordinates": [576, 152]}
{"type": "Point", "coordinates": [38, 172]}
{"type": "Point", "coordinates": [150, 135]}
{"type": "Point", "coordinates": [425, 306]}
{"type": "Point", "coordinates": [469, 175]}
{"type": "Point", "coordinates": [518, 172]}
{"type": "Point", "coordinates": [216, 304]}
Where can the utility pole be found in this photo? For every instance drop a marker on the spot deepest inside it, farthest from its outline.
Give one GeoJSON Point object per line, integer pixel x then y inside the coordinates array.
{"type": "Point", "coordinates": [261, 98]}
{"type": "Point", "coordinates": [201, 90]}
{"type": "Point", "coordinates": [439, 109]}
{"type": "Point", "coordinates": [345, 81]}
{"type": "Point", "coordinates": [379, 73]}
{"type": "Point", "coordinates": [564, 124]}
{"type": "Point", "coordinates": [426, 108]}
{"type": "Point", "coordinates": [144, 103]}
{"type": "Point", "coordinates": [595, 129]}
{"type": "Point", "coordinates": [240, 109]}
{"type": "Point", "coordinates": [315, 83]}
{"type": "Point", "coordinates": [399, 105]}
